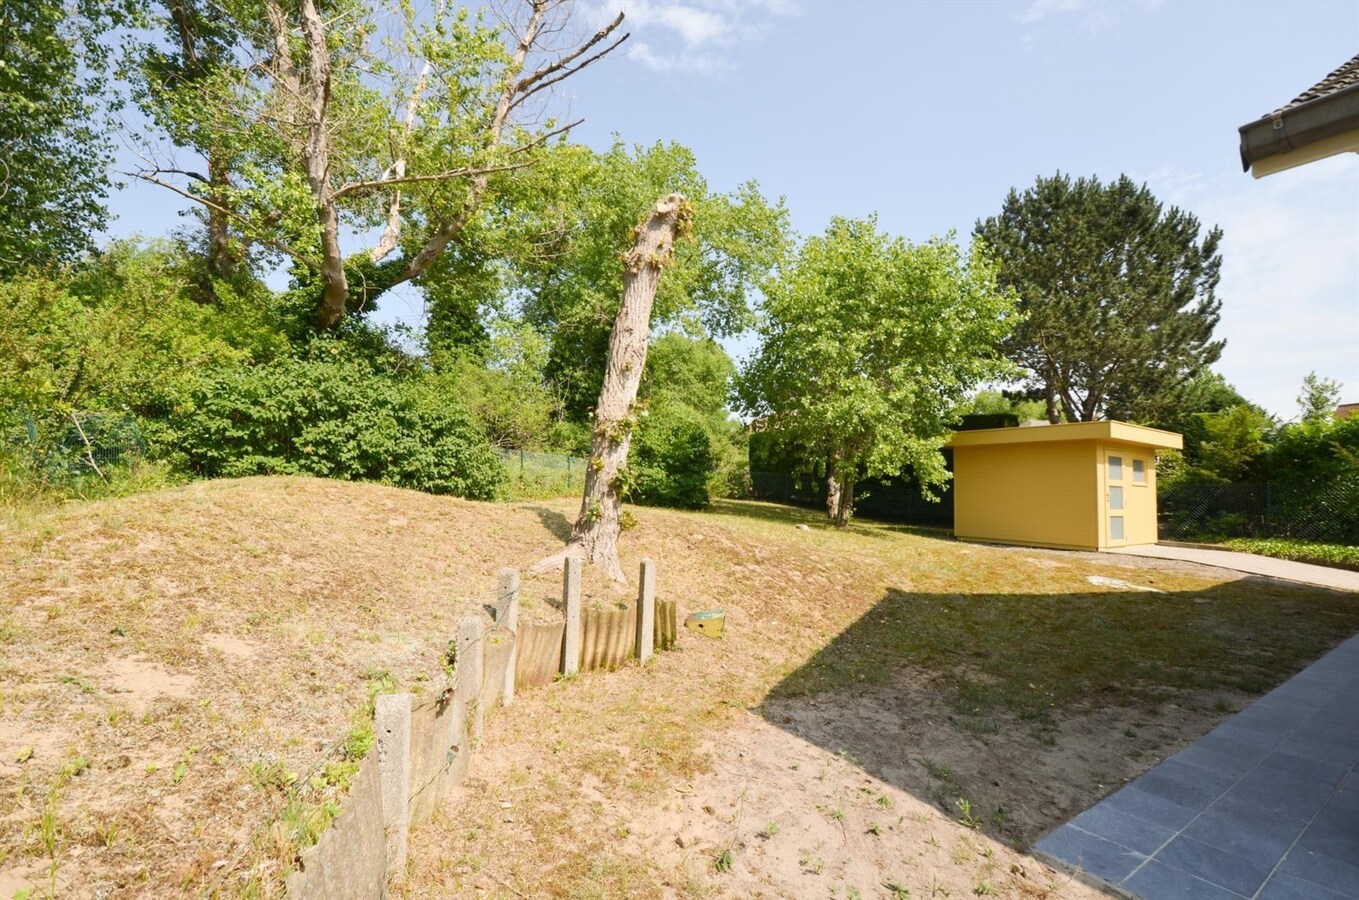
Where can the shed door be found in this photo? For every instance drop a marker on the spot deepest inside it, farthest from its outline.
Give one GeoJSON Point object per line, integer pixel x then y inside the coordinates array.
{"type": "Point", "coordinates": [1117, 480]}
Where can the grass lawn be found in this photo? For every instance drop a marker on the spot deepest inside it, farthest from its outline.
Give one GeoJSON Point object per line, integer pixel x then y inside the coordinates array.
{"type": "Point", "coordinates": [890, 711]}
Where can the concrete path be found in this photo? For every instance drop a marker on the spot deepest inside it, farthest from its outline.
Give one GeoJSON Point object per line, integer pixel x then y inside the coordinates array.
{"type": "Point", "coordinates": [1265, 807]}
{"type": "Point", "coordinates": [1322, 576]}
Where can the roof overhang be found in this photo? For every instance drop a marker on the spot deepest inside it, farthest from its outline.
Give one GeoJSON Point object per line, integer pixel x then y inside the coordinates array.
{"type": "Point", "coordinates": [1322, 127]}
{"type": "Point", "coordinates": [1120, 432]}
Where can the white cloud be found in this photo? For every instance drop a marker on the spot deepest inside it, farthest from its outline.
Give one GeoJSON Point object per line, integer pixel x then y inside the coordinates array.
{"type": "Point", "coordinates": [666, 63]}
{"type": "Point", "coordinates": [1290, 274]}
{"type": "Point", "coordinates": [695, 37]}
{"type": "Point", "coordinates": [1041, 9]}
{"type": "Point", "coordinates": [694, 26]}
{"type": "Point", "coordinates": [1088, 15]}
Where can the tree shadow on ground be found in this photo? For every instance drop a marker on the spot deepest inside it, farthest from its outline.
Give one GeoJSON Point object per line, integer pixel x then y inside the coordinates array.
{"type": "Point", "coordinates": [1015, 712]}
{"type": "Point", "coordinates": [555, 522]}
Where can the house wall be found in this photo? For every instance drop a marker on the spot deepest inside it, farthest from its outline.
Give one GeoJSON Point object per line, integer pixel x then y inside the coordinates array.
{"type": "Point", "coordinates": [1045, 494]}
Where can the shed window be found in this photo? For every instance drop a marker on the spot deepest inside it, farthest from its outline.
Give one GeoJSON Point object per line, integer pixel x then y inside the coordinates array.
{"type": "Point", "coordinates": [1115, 468]}
{"type": "Point", "coordinates": [1139, 471]}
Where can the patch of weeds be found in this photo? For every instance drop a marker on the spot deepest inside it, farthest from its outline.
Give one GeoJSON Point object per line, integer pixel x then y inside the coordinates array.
{"type": "Point", "coordinates": [769, 830]}
{"type": "Point", "coordinates": [271, 776]}
{"type": "Point", "coordinates": [977, 725]}
{"type": "Point", "coordinates": [1001, 817]}
{"type": "Point", "coordinates": [984, 889]}
{"type": "Point", "coordinates": [837, 813]}
{"type": "Point", "coordinates": [1222, 705]}
{"type": "Point", "coordinates": [24, 754]}
{"type": "Point", "coordinates": [965, 814]}
{"type": "Point", "coordinates": [379, 681]}
{"type": "Point", "coordinates": [49, 823]}
{"type": "Point", "coordinates": [107, 832]}
{"type": "Point", "coordinates": [896, 890]}
{"type": "Point", "coordinates": [875, 829]}
{"type": "Point", "coordinates": [946, 791]}
{"type": "Point", "coordinates": [85, 686]}
{"type": "Point", "coordinates": [359, 741]}
{"type": "Point", "coordinates": [811, 865]}
{"type": "Point", "coordinates": [936, 888]}
{"type": "Point", "coordinates": [852, 893]}
{"type": "Point", "coordinates": [182, 767]}
{"type": "Point", "coordinates": [884, 801]}
{"type": "Point", "coordinates": [723, 861]}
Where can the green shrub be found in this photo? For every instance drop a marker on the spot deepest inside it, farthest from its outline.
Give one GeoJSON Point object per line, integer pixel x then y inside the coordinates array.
{"type": "Point", "coordinates": [671, 458]}
{"type": "Point", "coordinates": [335, 416]}
{"type": "Point", "coordinates": [1302, 551]}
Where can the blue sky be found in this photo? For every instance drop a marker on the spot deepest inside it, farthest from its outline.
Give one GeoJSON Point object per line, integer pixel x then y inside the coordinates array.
{"type": "Point", "coordinates": [929, 113]}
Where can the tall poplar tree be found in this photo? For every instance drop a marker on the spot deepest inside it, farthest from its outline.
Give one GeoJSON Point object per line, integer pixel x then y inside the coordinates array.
{"type": "Point", "coordinates": [1118, 293]}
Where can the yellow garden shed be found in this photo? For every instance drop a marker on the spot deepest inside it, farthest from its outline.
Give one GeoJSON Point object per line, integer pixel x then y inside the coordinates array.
{"type": "Point", "coordinates": [1081, 486]}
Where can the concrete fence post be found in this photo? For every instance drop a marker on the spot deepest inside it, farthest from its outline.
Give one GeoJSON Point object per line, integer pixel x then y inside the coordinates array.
{"type": "Point", "coordinates": [392, 725]}
{"type": "Point", "coordinates": [571, 641]}
{"type": "Point", "coordinates": [646, 611]}
{"type": "Point", "coordinates": [507, 616]}
{"type": "Point", "coordinates": [507, 593]}
{"type": "Point", "coordinates": [470, 672]}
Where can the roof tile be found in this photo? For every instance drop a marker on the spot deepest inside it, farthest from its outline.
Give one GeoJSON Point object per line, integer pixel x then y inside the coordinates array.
{"type": "Point", "coordinates": [1343, 77]}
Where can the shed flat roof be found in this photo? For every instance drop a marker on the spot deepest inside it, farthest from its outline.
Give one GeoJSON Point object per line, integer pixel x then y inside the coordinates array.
{"type": "Point", "coordinates": [1122, 432]}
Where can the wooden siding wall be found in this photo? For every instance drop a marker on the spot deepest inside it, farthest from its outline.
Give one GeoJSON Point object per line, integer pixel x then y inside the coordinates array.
{"type": "Point", "coordinates": [1043, 494]}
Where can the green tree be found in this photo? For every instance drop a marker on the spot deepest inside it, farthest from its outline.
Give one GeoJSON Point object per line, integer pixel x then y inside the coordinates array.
{"type": "Point", "coordinates": [188, 63]}
{"type": "Point", "coordinates": [1226, 444]}
{"type": "Point", "coordinates": [581, 209]}
{"type": "Point", "coordinates": [687, 384]}
{"type": "Point", "coordinates": [504, 390]}
{"type": "Point", "coordinates": [869, 344]}
{"type": "Point", "coordinates": [339, 120]}
{"type": "Point", "coordinates": [1176, 409]}
{"type": "Point", "coordinates": [1319, 398]}
{"type": "Point", "coordinates": [53, 145]}
{"type": "Point", "coordinates": [1117, 292]}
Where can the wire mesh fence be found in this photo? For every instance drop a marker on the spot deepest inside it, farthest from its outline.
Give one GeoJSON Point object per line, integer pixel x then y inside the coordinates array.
{"type": "Point", "coordinates": [1326, 512]}
{"type": "Point", "coordinates": [82, 445]}
{"type": "Point", "coordinates": [872, 499]}
{"type": "Point", "coordinates": [543, 475]}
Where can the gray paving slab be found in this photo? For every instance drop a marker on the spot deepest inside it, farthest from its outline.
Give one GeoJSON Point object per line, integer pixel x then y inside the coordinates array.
{"type": "Point", "coordinates": [1264, 807]}
{"type": "Point", "coordinates": [1306, 573]}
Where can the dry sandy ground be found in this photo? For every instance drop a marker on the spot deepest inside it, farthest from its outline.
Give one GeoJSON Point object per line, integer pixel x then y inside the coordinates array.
{"type": "Point", "coordinates": [174, 666]}
{"type": "Point", "coordinates": [702, 776]}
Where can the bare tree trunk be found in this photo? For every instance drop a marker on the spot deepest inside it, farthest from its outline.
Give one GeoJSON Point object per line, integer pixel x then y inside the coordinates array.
{"type": "Point", "coordinates": [221, 261]}
{"type": "Point", "coordinates": [595, 534]}
{"type": "Point", "coordinates": [839, 490]}
{"type": "Point", "coordinates": [334, 282]}
{"type": "Point", "coordinates": [1050, 394]}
